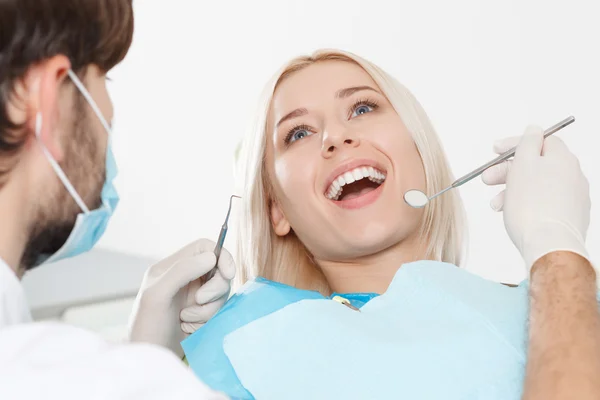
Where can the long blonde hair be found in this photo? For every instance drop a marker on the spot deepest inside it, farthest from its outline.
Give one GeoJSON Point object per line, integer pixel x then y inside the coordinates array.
{"type": "Point", "coordinates": [285, 259]}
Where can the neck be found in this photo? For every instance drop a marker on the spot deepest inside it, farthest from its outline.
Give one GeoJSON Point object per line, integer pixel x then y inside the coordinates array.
{"type": "Point", "coordinates": [14, 225]}
{"type": "Point", "coordinates": [372, 273]}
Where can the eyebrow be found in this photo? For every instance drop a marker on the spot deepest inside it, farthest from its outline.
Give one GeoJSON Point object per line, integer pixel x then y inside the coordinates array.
{"type": "Point", "coordinates": [351, 90]}
{"type": "Point", "coordinates": [340, 94]}
{"type": "Point", "coordinates": [294, 114]}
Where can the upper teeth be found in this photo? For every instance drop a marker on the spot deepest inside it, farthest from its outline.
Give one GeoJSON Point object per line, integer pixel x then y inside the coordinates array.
{"type": "Point", "coordinates": [335, 189]}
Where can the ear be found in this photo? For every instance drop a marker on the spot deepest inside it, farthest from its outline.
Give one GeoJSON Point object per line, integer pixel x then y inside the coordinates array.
{"type": "Point", "coordinates": [281, 225]}
{"type": "Point", "coordinates": [43, 83]}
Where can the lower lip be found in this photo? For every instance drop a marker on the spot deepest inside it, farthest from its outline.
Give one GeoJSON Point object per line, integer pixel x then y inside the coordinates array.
{"type": "Point", "coordinates": [361, 201]}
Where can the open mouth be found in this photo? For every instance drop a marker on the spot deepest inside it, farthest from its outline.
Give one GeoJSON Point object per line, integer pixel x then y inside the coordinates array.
{"type": "Point", "coordinates": [355, 183]}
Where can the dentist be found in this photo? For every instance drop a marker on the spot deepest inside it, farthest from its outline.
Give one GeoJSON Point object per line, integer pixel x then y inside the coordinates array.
{"type": "Point", "coordinates": [56, 198]}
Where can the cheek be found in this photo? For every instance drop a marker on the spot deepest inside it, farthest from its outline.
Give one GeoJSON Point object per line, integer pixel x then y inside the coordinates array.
{"type": "Point", "coordinates": [102, 98]}
{"type": "Point", "coordinates": [106, 107]}
{"type": "Point", "coordinates": [411, 166]}
{"type": "Point", "coordinates": [397, 143]}
{"type": "Point", "coordinates": [292, 176]}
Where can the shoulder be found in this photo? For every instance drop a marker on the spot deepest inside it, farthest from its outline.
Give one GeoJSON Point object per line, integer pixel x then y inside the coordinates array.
{"type": "Point", "coordinates": [51, 360]}
{"type": "Point", "coordinates": [438, 271]}
{"type": "Point", "coordinates": [454, 286]}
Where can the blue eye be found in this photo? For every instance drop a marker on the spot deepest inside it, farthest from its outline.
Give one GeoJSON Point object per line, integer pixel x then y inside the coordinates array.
{"type": "Point", "coordinates": [362, 107]}
{"type": "Point", "coordinates": [362, 110]}
{"type": "Point", "coordinates": [297, 133]}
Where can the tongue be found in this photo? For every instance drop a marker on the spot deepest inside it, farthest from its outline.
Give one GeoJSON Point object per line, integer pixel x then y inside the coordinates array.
{"type": "Point", "coordinates": [356, 194]}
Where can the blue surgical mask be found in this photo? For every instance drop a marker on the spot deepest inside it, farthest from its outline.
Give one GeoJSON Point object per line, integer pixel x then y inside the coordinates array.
{"type": "Point", "coordinates": [90, 225]}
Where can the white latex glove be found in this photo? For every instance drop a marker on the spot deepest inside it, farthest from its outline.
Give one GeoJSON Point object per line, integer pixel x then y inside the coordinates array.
{"type": "Point", "coordinates": [546, 202]}
{"type": "Point", "coordinates": [173, 302]}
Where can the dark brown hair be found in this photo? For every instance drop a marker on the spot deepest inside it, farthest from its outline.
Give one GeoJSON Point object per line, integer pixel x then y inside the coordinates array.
{"type": "Point", "coordinates": [97, 32]}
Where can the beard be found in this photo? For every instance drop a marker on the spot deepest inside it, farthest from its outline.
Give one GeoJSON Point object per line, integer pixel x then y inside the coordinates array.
{"type": "Point", "coordinates": [84, 166]}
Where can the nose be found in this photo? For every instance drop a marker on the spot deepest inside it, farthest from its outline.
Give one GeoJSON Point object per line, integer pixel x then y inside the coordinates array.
{"type": "Point", "coordinates": [334, 142]}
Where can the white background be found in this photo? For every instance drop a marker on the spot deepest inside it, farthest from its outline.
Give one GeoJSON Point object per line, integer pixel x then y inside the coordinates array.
{"type": "Point", "coordinates": [483, 70]}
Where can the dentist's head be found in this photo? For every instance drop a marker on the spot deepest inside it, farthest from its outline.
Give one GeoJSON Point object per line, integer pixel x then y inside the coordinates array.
{"type": "Point", "coordinates": [56, 166]}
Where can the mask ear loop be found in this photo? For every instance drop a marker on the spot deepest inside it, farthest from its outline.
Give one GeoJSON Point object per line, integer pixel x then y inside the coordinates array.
{"type": "Point", "coordinates": [90, 101]}
{"type": "Point", "coordinates": [88, 97]}
{"type": "Point", "coordinates": [56, 167]}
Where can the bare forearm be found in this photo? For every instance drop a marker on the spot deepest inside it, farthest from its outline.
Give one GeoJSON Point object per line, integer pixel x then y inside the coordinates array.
{"type": "Point", "coordinates": [564, 330]}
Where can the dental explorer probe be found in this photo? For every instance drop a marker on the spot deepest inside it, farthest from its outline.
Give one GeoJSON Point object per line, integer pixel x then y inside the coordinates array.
{"type": "Point", "coordinates": [417, 199]}
{"type": "Point", "coordinates": [221, 239]}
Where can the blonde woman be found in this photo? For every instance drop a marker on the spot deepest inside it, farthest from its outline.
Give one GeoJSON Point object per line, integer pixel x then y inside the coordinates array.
{"type": "Point", "coordinates": [337, 144]}
{"type": "Point", "coordinates": [363, 118]}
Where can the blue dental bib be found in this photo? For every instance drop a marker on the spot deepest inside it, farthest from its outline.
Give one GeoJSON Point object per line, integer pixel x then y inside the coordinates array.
{"type": "Point", "coordinates": [437, 332]}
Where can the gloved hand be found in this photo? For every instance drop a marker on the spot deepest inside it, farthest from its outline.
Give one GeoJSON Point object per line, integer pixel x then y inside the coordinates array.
{"type": "Point", "coordinates": [174, 301]}
{"type": "Point", "coordinates": [546, 202]}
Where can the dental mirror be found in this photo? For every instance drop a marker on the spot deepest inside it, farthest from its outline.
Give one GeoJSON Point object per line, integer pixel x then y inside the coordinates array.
{"type": "Point", "coordinates": [417, 199]}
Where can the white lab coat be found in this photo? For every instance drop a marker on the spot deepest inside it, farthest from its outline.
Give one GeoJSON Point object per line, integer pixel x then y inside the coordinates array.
{"type": "Point", "coordinates": [58, 361]}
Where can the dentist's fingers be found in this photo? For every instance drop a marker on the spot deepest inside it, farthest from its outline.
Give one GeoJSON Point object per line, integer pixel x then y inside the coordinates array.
{"type": "Point", "coordinates": [226, 264]}
{"type": "Point", "coordinates": [497, 174]}
{"type": "Point", "coordinates": [503, 145]}
{"type": "Point", "coordinates": [184, 271]}
{"type": "Point", "coordinates": [190, 327]}
{"type": "Point", "coordinates": [202, 313]}
{"type": "Point", "coordinates": [497, 202]}
{"type": "Point", "coordinates": [556, 147]}
{"type": "Point", "coordinates": [531, 144]}
{"type": "Point", "coordinates": [214, 289]}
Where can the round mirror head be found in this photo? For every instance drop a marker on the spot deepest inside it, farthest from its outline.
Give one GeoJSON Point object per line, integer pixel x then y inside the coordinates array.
{"type": "Point", "coordinates": [415, 198]}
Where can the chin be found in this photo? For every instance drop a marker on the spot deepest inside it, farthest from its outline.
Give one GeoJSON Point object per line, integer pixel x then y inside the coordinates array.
{"type": "Point", "coordinates": [372, 236]}
{"type": "Point", "coordinates": [46, 241]}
